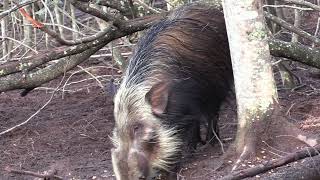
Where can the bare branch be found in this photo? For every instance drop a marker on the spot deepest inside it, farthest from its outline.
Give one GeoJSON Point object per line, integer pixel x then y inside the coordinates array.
{"type": "Point", "coordinates": [290, 27]}
{"type": "Point", "coordinates": [80, 53]}
{"type": "Point", "coordinates": [115, 4]}
{"type": "Point", "coordinates": [57, 36]}
{"type": "Point", "coordinates": [21, 43]}
{"type": "Point", "coordinates": [47, 56]}
{"type": "Point", "coordinates": [33, 115]}
{"type": "Point", "coordinates": [16, 7]}
{"type": "Point", "coordinates": [302, 3]}
{"type": "Point", "coordinates": [85, 7]}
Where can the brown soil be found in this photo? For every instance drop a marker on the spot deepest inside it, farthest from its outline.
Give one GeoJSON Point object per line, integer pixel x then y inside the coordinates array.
{"type": "Point", "coordinates": [70, 135]}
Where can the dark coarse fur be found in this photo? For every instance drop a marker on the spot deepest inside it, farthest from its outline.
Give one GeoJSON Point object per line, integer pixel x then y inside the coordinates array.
{"type": "Point", "coordinates": [194, 54]}
{"type": "Point", "coordinates": [182, 67]}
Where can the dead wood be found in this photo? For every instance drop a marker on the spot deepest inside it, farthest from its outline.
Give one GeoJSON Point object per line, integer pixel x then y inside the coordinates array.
{"type": "Point", "coordinates": [308, 168]}
{"type": "Point", "coordinates": [49, 176]}
{"type": "Point", "coordinates": [296, 52]}
{"type": "Point", "coordinates": [10, 79]}
{"type": "Point", "coordinates": [262, 168]}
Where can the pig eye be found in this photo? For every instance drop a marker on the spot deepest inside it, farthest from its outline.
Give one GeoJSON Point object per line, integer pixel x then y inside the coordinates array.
{"type": "Point", "coordinates": [137, 128]}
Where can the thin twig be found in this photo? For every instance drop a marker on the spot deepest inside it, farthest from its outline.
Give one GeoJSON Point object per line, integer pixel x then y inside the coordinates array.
{"type": "Point", "coordinates": [16, 7]}
{"type": "Point", "coordinates": [21, 43]}
{"type": "Point", "coordinates": [88, 72]}
{"type": "Point", "coordinates": [33, 115]}
{"type": "Point", "coordinates": [288, 112]}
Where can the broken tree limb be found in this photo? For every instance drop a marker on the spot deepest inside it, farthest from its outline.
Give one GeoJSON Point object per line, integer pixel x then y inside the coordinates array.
{"type": "Point", "coordinates": [50, 175]}
{"type": "Point", "coordinates": [296, 52]}
{"type": "Point", "coordinates": [262, 168]}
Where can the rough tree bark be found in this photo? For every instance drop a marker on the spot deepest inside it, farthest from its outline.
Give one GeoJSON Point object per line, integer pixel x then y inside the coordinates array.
{"type": "Point", "coordinates": [254, 82]}
{"type": "Point", "coordinates": [4, 24]}
{"type": "Point", "coordinates": [27, 29]}
{"type": "Point", "coordinates": [295, 52]}
{"type": "Point", "coordinates": [287, 78]}
{"type": "Point", "coordinates": [73, 20]}
{"type": "Point", "coordinates": [59, 19]}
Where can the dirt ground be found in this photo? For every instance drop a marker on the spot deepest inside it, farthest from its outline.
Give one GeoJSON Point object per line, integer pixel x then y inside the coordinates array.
{"type": "Point", "coordinates": [71, 134]}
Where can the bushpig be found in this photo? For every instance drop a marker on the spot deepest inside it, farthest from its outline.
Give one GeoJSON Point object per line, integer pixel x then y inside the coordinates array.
{"type": "Point", "coordinates": [179, 74]}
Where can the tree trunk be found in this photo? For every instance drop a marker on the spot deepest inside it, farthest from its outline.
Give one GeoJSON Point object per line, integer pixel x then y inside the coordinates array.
{"type": "Point", "coordinates": [254, 82]}
{"type": "Point", "coordinates": [27, 29]}
{"type": "Point", "coordinates": [59, 19]}
{"type": "Point", "coordinates": [286, 77]}
{"type": "Point", "coordinates": [4, 29]}
{"type": "Point", "coordinates": [35, 40]}
{"type": "Point", "coordinates": [73, 21]}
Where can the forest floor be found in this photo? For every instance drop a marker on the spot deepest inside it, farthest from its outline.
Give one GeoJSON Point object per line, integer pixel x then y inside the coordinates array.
{"type": "Point", "coordinates": [71, 134]}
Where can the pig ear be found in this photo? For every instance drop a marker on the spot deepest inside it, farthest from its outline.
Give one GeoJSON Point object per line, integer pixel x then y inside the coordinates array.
{"type": "Point", "coordinates": [157, 97]}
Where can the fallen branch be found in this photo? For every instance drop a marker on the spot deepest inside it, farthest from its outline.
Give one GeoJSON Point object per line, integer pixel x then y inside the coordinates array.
{"type": "Point", "coordinates": [309, 169]}
{"type": "Point", "coordinates": [262, 168]}
{"type": "Point", "coordinates": [50, 175]}
{"type": "Point", "coordinates": [295, 52]}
